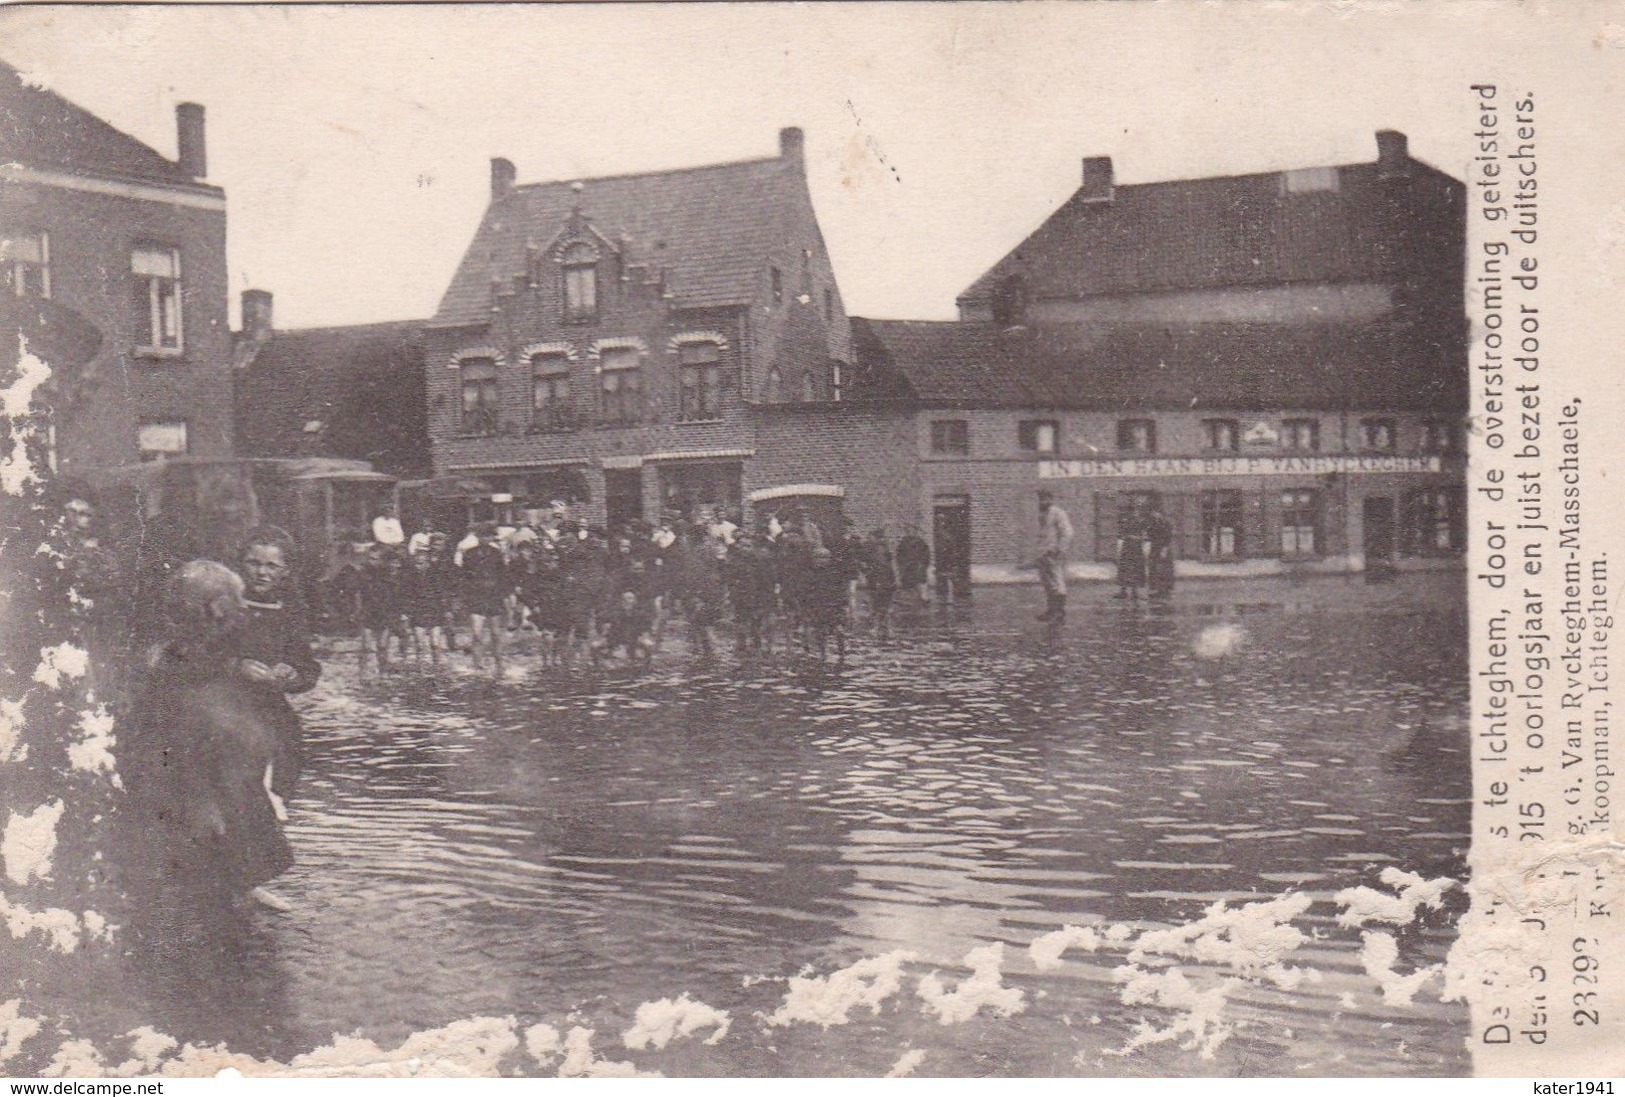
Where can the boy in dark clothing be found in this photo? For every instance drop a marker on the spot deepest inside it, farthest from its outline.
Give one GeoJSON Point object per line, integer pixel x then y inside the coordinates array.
{"type": "Point", "coordinates": [880, 574]}
{"type": "Point", "coordinates": [628, 624]}
{"type": "Point", "coordinates": [380, 606]}
{"type": "Point", "coordinates": [751, 578]}
{"type": "Point", "coordinates": [913, 562]}
{"type": "Point", "coordinates": [486, 586]}
{"type": "Point", "coordinates": [274, 644]}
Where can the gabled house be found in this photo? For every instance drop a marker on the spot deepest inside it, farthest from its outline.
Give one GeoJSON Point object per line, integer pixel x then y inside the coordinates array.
{"type": "Point", "coordinates": [610, 341]}
{"type": "Point", "coordinates": [134, 243]}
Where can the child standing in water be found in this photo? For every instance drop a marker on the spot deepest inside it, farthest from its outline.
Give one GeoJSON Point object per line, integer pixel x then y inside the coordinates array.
{"type": "Point", "coordinates": [274, 645]}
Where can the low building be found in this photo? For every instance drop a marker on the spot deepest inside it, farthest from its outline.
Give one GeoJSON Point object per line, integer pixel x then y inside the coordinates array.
{"type": "Point", "coordinates": [134, 243]}
{"type": "Point", "coordinates": [1318, 448]}
{"type": "Point", "coordinates": [613, 342]}
{"type": "Point", "coordinates": [353, 392]}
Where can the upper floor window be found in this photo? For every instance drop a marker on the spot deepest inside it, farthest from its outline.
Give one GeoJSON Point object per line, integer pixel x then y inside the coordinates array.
{"type": "Point", "coordinates": [1039, 435]}
{"type": "Point", "coordinates": [829, 304]}
{"type": "Point", "coordinates": [1441, 436]}
{"type": "Point", "coordinates": [580, 283]}
{"type": "Point", "coordinates": [1222, 434]}
{"type": "Point", "coordinates": [837, 381]}
{"type": "Point", "coordinates": [806, 272]}
{"type": "Point", "coordinates": [25, 264]}
{"type": "Point", "coordinates": [157, 281]}
{"type": "Point", "coordinates": [479, 390]}
{"type": "Point", "coordinates": [157, 440]}
{"type": "Point", "coordinates": [1137, 435]}
{"type": "Point", "coordinates": [950, 436]}
{"type": "Point", "coordinates": [703, 379]}
{"type": "Point", "coordinates": [809, 387]}
{"type": "Point", "coordinates": [550, 392]}
{"type": "Point", "coordinates": [776, 277]}
{"type": "Point", "coordinates": [620, 386]}
{"type": "Point", "coordinates": [1300, 435]}
{"type": "Point", "coordinates": [1378, 434]}
{"type": "Point", "coordinates": [775, 386]}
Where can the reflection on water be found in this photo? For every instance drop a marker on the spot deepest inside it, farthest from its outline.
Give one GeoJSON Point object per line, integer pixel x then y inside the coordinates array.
{"type": "Point", "coordinates": [540, 846]}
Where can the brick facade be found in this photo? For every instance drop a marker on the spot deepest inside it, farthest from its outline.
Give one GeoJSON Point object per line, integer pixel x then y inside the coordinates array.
{"type": "Point", "coordinates": [91, 236]}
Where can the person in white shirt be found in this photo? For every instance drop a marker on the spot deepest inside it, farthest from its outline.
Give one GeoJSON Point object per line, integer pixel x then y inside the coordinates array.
{"type": "Point", "coordinates": [1054, 538]}
{"type": "Point", "coordinates": [386, 527]}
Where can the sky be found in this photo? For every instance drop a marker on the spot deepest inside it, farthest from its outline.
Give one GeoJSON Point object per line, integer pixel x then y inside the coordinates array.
{"type": "Point", "coordinates": [354, 142]}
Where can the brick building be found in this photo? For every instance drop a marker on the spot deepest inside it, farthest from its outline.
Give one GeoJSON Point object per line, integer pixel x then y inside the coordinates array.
{"type": "Point", "coordinates": [135, 244]}
{"type": "Point", "coordinates": [617, 341]}
{"type": "Point", "coordinates": [1277, 360]}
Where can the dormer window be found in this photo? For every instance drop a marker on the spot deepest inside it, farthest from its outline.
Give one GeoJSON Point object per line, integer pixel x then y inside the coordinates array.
{"type": "Point", "coordinates": [580, 283]}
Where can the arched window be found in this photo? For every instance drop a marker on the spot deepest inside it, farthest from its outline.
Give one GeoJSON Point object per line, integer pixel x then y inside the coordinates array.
{"type": "Point", "coordinates": [704, 379]}
{"type": "Point", "coordinates": [809, 388]}
{"type": "Point", "coordinates": [580, 283]}
{"type": "Point", "coordinates": [620, 387]}
{"type": "Point", "coordinates": [479, 381]}
{"type": "Point", "coordinates": [775, 386]}
{"type": "Point", "coordinates": [550, 392]}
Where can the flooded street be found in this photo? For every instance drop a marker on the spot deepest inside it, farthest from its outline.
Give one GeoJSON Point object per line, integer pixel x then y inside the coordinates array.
{"type": "Point", "coordinates": [561, 851]}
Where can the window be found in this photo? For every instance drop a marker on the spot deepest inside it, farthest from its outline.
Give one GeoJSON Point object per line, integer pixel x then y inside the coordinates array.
{"type": "Point", "coordinates": [580, 283]}
{"type": "Point", "coordinates": [25, 264]}
{"type": "Point", "coordinates": [1441, 436]}
{"type": "Point", "coordinates": [806, 273]}
{"type": "Point", "coordinates": [1300, 513]}
{"type": "Point", "coordinates": [1039, 435]}
{"type": "Point", "coordinates": [836, 380]}
{"type": "Point", "coordinates": [1221, 523]}
{"type": "Point", "coordinates": [775, 386]}
{"type": "Point", "coordinates": [620, 387]}
{"type": "Point", "coordinates": [1137, 435]}
{"type": "Point", "coordinates": [1222, 434]}
{"type": "Point", "coordinates": [829, 304]}
{"type": "Point", "coordinates": [703, 380]}
{"type": "Point", "coordinates": [1435, 521]}
{"type": "Point", "coordinates": [158, 440]}
{"type": "Point", "coordinates": [550, 393]}
{"type": "Point", "coordinates": [157, 274]}
{"type": "Point", "coordinates": [776, 277]}
{"type": "Point", "coordinates": [1378, 434]}
{"type": "Point", "coordinates": [1301, 435]}
{"type": "Point", "coordinates": [479, 380]}
{"type": "Point", "coordinates": [950, 436]}
{"type": "Point", "coordinates": [809, 388]}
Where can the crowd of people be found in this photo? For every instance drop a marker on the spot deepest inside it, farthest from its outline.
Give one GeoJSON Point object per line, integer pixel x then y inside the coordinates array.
{"type": "Point", "coordinates": [592, 594]}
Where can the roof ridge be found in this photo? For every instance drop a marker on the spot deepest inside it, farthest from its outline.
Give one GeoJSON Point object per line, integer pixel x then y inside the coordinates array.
{"type": "Point", "coordinates": [347, 327]}
{"type": "Point", "coordinates": [645, 174]}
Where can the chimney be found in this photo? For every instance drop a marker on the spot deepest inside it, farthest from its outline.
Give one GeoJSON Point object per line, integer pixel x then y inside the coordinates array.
{"type": "Point", "coordinates": [503, 174]}
{"type": "Point", "coordinates": [191, 156]}
{"type": "Point", "coordinates": [1097, 179]}
{"type": "Point", "coordinates": [257, 315]}
{"type": "Point", "coordinates": [1393, 155]}
{"type": "Point", "coordinates": [792, 143]}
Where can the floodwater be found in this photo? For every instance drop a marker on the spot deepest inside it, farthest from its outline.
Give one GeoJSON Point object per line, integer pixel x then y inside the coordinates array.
{"type": "Point", "coordinates": [561, 851]}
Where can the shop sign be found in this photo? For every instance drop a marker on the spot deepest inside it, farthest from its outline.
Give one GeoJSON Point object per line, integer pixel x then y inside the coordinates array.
{"type": "Point", "coordinates": [1236, 466]}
